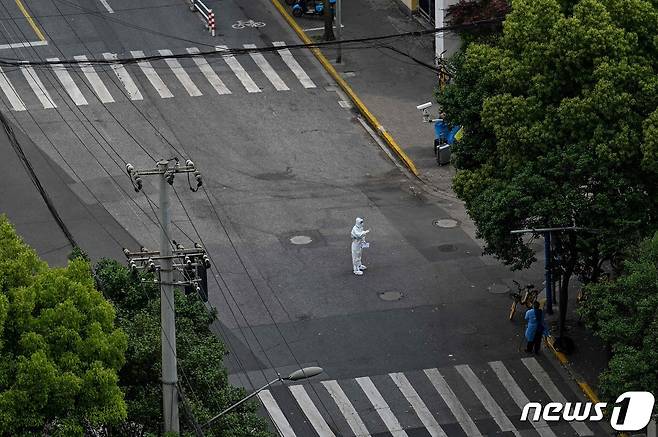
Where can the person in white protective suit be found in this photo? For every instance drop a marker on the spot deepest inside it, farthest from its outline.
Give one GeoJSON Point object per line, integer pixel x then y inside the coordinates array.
{"type": "Point", "coordinates": [358, 243]}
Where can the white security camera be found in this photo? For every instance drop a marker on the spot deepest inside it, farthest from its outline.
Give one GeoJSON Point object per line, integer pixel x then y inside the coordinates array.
{"type": "Point", "coordinates": [424, 106]}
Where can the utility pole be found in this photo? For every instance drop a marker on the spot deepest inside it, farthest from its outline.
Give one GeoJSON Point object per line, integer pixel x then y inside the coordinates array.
{"type": "Point", "coordinates": [165, 269]}
{"type": "Point", "coordinates": [339, 30]}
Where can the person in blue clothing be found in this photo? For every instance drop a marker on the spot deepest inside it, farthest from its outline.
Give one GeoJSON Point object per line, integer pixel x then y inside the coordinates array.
{"type": "Point", "coordinates": [536, 327]}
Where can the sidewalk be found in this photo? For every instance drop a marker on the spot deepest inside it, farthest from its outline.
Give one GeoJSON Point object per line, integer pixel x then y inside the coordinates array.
{"type": "Point", "coordinates": [391, 86]}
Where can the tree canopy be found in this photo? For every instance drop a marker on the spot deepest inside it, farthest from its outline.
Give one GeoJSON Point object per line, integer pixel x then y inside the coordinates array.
{"type": "Point", "coordinates": [560, 128]}
{"type": "Point", "coordinates": [624, 314]}
{"type": "Point", "coordinates": [60, 352]}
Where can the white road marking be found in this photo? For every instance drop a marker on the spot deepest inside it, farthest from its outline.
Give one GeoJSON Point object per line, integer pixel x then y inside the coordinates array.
{"type": "Point", "coordinates": [207, 71]}
{"type": "Point", "coordinates": [418, 405]}
{"type": "Point", "coordinates": [552, 391]}
{"type": "Point", "coordinates": [294, 66]}
{"type": "Point", "coordinates": [519, 397]}
{"type": "Point", "coordinates": [124, 77]}
{"type": "Point", "coordinates": [487, 400]}
{"type": "Point", "coordinates": [20, 45]}
{"type": "Point", "coordinates": [267, 69]}
{"type": "Point", "coordinates": [381, 407]}
{"type": "Point", "coordinates": [37, 86]}
{"type": "Point", "coordinates": [107, 6]}
{"type": "Point", "coordinates": [151, 75]}
{"type": "Point", "coordinates": [10, 92]}
{"type": "Point", "coordinates": [181, 74]}
{"type": "Point", "coordinates": [280, 421]}
{"type": "Point", "coordinates": [347, 409]}
{"type": "Point", "coordinates": [239, 71]}
{"type": "Point", "coordinates": [453, 403]}
{"type": "Point", "coordinates": [311, 411]}
{"type": "Point", "coordinates": [67, 81]}
{"type": "Point", "coordinates": [94, 80]}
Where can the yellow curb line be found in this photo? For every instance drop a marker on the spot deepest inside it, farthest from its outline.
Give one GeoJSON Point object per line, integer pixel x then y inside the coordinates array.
{"type": "Point", "coordinates": [381, 131]}
{"type": "Point", "coordinates": [30, 20]}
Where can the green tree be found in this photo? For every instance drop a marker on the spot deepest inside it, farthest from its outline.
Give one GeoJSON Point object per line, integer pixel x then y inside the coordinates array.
{"type": "Point", "coordinates": [59, 349]}
{"type": "Point", "coordinates": [624, 314]}
{"type": "Point", "coordinates": [202, 374]}
{"type": "Point", "coordinates": [561, 128]}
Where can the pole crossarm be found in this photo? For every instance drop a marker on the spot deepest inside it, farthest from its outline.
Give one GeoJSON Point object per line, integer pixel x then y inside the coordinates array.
{"type": "Point", "coordinates": [556, 229]}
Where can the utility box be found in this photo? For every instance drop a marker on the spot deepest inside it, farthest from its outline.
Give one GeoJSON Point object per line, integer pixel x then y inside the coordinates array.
{"type": "Point", "coordinates": [443, 154]}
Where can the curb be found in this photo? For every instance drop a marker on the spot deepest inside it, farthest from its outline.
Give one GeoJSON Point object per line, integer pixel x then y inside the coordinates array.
{"type": "Point", "coordinates": [562, 358]}
{"type": "Point", "coordinates": [372, 121]}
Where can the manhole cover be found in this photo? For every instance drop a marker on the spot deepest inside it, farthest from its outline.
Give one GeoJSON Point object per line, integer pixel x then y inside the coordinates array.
{"type": "Point", "coordinates": [497, 289]}
{"type": "Point", "coordinates": [390, 296]}
{"type": "Point", "coordinates": [301, 239]}
{"type": "Point", "coordinates": [445, 223]}
{"type": "Point", "coordinates": [447, 248]}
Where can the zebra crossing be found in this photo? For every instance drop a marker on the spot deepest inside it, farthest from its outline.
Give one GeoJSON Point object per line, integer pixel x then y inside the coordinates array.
{"type": "Point", "coordinates": [38, 87]}
{"type": "Point", "coordinates": [464, 400]}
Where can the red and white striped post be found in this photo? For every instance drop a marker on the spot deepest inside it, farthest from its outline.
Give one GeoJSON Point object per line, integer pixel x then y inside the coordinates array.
{"type": "Point", "coordinates": [211, 22]}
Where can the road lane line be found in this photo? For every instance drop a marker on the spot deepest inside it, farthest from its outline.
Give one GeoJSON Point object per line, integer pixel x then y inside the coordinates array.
{"type": "Point", "coordinates": [552, 391]}
{"type": "Point", "coordinates": [267, 69]}
{"type": "Point", "coordinates": [20, 45]}
{"type": "Point", "coordinates": [181, 74]}
{"type": "Point", "coordinates": [311, 411]}
{"type": "Point", "coordinates": [487, 400]}
{"type": "Point", "coordinates": [279, 419]}
{"type": "Point", "coordinates": [207, 71]}
{"type": "Point", "coordinates": [67, 81]}
{"type": "Point", "coordinates": [151, 75]}
{"type": "Point", "coordinates": [29, 19]}
{"type": "Point", "coordinates": [107, 6]}
{"type": "Point", "coordinates": [294, 66]}
{"type": "Point", "coordinates": [381, 407]}
{"type": "Point", "coordinates": [124, 77]}
{"type": "Point", "coordinates": [423, 413]}
{"type": "Point", "coordinates": [347, 409]}
{"type": "Point", "coordinates": [94, 80]}
{"type": "Point", "coordinates": [453, 403]}
{"type": "Point", "coordinates": [519, 397]}
{"type": "Point", "coordinates": [239, 71]}
{"type": "Point", "coordinates": [10, 92]}
{"type": "Point", "coordinates": [37, 86]}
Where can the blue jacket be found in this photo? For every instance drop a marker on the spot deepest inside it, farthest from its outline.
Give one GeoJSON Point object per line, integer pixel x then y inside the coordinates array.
{"type": "Point", "coordinates": [531, 329]}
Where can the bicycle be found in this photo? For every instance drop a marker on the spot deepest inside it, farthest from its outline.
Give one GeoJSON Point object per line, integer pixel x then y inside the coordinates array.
{"type": "Point", "coordinates": [241, 24]}
{"type": "Point", "coordinates": [524, 296]}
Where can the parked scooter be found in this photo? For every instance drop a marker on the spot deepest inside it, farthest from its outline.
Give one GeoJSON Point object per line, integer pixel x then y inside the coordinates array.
{"type": "Point", "coordinates": [309, 7]}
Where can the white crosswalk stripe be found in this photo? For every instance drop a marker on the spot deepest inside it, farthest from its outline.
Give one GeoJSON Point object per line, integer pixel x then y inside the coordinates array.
{"type": "Point", "coordinates": [453, 403]}
{"type": "Point", "coordinates": [67, 82]}
{"type": "Point", "coordinates": [239, 71]}
{"type": "Point", "coordinates": [10, 92]}
{"type": "Point", "coordinates": [551, 389]}
{"type": "Point", "coordinates": [311, 411]}
{"type": "Point", "coordinates": [381, 407]}
{"type": "Point", "coordinates": [151, 75]}
{"type": "Point", "coordinates": [94, 80]}
{"type": "Point", "coordinates": [180, 73]}
{"type": "Point", "coordinates": [37, 87]}
{"type": "Point", "coordinates": [418, 405]}
{"type": "Point", "coordinates": [267, 69]}
{"type": "Point", "coordinates": [279, 419]}
{"type": "Point", "coordinates": [346, 408]}
{"type": "Point", "coordinates": [124, 77]}
{"type": "Point", "coordinates": [208, 72]}
{"type": "Point", "coordinates": [294, 66]}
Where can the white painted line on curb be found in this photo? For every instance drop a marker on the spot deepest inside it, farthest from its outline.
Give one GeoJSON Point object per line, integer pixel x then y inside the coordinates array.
{"type": "Point", "coordinates": [239, 71]}
{"type": "Point", "coordinates": [37, 86]}
{"type": "Point", "coordinates": [381, 407]}
{"type": "Point", "coordinates": [67, 81]}
{"type": "Point", "coordinates": [181, 74]}
{"type": "Point", "coordinates": [267, 69]}
{"type": "Point", "coordinates": [207, 71]}
{"type": "Point", "coordinates": [311, 411]}
{"type": "Point", "coordinates": [124, 77]}
{"type": "Point", "coordinates": [151, 75]}
{"type": "Point", "coordinates": [94, 80]}
{"type": "Point", "coordinates": [294, 66]}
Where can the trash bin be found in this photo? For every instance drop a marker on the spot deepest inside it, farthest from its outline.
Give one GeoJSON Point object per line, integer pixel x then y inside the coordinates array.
{"type": "Point", "coordinates": [443, 154]}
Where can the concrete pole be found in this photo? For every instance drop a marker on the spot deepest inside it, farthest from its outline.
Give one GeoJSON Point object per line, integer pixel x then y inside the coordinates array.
{"type": "Point", "coordinates": [167, 314]}
{"type": "Point", "coordinates": [339, 30]}
{"type": "Point", "coordinates": [439, 41]}
{"type": "Point", "coordinates": [548, 276]}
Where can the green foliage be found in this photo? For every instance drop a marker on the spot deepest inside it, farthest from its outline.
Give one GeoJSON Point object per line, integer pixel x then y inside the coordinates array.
{"type": "Point", "coordinates": [60, 352]}
{"type": "Point", "coordinates": [624, 314]}
{"type": "Point", "coordinates": [200, 357]}
{"type": "Point", "coordinates": [561, 127]}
